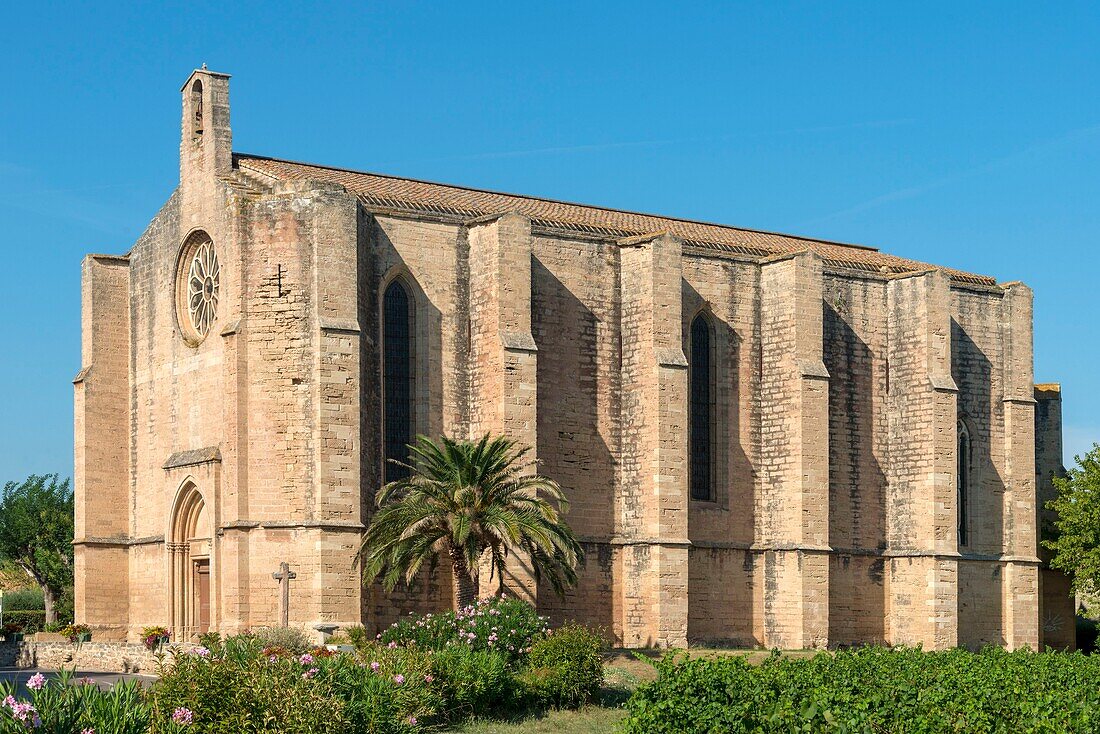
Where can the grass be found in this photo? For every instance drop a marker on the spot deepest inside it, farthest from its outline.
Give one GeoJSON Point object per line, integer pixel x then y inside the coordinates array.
{"type": "Point", "coordinates": [591, 720]}
{"type": "Point", "coordinates": [623, 672]}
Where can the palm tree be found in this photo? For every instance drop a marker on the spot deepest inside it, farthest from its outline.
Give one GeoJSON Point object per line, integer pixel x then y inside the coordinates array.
{"type": "Point", "coordinates": [467, 500]}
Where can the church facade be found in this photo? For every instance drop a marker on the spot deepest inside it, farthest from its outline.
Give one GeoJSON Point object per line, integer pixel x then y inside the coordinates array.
{"type": "Point", "coordinates": [767, 440]}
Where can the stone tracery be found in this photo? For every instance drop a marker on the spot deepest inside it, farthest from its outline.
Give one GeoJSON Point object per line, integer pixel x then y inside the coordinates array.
{"type": "Point", "coordinates": [203, 288]}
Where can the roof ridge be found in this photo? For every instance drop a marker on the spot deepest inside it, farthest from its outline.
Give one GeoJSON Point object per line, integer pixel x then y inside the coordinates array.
{"type": "Point", "coordinates": [238, 155]}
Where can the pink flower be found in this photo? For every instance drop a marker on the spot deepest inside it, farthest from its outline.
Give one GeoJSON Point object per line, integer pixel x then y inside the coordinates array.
{"type": "Point", "coordinates": [202, 652]}
{"type": "Point", "coordinates": [399, 679]}
{"type": "Point", "coordinates": [412, 720]}
{"type": "Point", "coordinates": [183, 716]}
{"type": "Point", "coordinates": [392, 646]}
{"type": "Point", "coordinates": [26, 712]}
{"type": "Point", "coordinates": [428, 678]}
{"type": "Point", "coordinates": [310, 673]}
{"type": "Point", "coordinates": [36, 682]}
{"type": "Point", "coordinates": [9, 701]}
{"type": "Point", "coordinates": [87, 731]}
{"type": "Point", "coordinates": [306, 659]}
{"type": "Point", "coordinates": [375, 666]}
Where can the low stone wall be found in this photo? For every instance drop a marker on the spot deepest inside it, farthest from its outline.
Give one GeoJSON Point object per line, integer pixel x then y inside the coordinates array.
{"type": "Point", "coordinates": [108, 657]}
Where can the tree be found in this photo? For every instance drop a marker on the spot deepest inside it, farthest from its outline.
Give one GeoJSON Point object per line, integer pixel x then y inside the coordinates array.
{"type": "Point", "coordinates": [468, 501]}
{"type": "Point", "coordinates": [36, 534]}
{"type": "Point", "coordinates": [1076, 537]}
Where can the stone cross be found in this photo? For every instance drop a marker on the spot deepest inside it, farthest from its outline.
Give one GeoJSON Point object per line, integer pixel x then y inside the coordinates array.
{"type": "Point", "coordinates": [284, 576]}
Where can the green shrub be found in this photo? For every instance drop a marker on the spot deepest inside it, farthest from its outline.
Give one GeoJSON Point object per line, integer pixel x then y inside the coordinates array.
{"type": "Point", "coordinates": [359, 637]}
{"type": "Point", "coordinates": [290, 639]}
{"type": "Point", "coordinates": [23, 600]}
{"type": "Point", "coordinates": [565, 668]}
{"type": "Point", "coordinates": [30, 621]}
{"type": "Point", "coordinates": [873, 690]}
{"type": "Point", "coordinates": [472, 681]}
{"type": "Point", "coordinates": [504, 625]}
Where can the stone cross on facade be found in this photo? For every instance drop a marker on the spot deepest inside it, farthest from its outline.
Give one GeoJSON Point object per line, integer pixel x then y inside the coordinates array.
{"type": "Point", "coordinates": [284, 576]}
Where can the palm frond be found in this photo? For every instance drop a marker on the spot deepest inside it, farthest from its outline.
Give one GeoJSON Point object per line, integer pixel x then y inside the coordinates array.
{"type": "Point", "coordinates": [470, 500]}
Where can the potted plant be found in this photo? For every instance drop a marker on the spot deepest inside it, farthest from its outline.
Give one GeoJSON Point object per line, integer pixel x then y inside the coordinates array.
{"type": "Point", "coordinates": [155, 637]}
{"type": "Point", "coordinates": [13, 632]}
{"type": "Point", "coordinates": [77, 633]}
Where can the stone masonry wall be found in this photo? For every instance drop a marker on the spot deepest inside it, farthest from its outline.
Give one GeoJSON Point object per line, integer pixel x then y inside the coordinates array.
{"type": "Point", "coordinates": [1056, 601]}
{"type": "Point", "coordinates": [855, 339]}
{"type": "Point", "coordinates": [574, 323]}
{"type": "Point", "coordinates": [87, 657]}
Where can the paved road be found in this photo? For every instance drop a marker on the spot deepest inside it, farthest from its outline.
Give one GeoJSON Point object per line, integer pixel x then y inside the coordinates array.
{"type": "Point", "coordinates": [103, 680]}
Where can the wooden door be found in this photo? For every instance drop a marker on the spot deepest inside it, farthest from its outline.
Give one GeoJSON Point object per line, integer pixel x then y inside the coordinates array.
{"type": "Point", "coordinates": [202, 596]}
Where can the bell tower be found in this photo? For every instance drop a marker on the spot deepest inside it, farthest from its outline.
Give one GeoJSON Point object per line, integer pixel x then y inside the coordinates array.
{"type": "Point", "coordinates": [206, 141]}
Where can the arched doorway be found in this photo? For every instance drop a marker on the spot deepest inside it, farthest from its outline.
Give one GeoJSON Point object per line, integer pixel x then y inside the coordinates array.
{"type": "Point", "coordinates": [189, 563]}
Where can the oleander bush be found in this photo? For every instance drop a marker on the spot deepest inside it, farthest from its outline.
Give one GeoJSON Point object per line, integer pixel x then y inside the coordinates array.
{"type": "Point", "coordinates": [243, 687]}
{"type": "Point", "coordinates": [565, 668]}
{"type": "Point", "coordinates": [473, 682]}
{"type": "Point", "coordinates": [504, 625]}
{"type": "Point", "coordinates": [873, 690]}
{"type": "Point", "coordinates": [61, 705]}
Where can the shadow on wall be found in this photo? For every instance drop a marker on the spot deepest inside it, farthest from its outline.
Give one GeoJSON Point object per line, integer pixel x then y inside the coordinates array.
{"type": "Point", "coordinates": [981, 614]}
{"type": "Point", "coordinates": [378, 262]}
{"type": "Point", "coordinates": [857, 486]}
{"type": "Point", "coordinates": [571, 449]}
{"type": "Point", "coordinates": [720, 579]}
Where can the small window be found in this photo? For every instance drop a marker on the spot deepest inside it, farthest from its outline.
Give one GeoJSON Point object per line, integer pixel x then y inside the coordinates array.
{"type": "Point", "coordinates": [963, 471]}
{"type": "Point", "coordinates": [701, 404]}
{"type": "Point", "coordinates": [397, 379]}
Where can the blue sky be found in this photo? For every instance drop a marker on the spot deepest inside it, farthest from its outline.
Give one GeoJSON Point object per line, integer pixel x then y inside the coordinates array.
{"type": "Point", "coordinates": [964, 134]}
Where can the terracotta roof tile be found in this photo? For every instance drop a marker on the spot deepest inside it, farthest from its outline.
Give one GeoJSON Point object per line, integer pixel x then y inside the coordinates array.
{"type": "Point", "coordinates": [391, 192]}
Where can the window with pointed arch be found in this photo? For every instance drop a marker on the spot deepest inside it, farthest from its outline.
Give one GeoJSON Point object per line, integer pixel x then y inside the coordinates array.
{"type": "Point", "coordinates": [398, 378]}
{"type": "Point", "coordinates": [701, 406]}
{"type": "Point", "coordinates": [963, 484]}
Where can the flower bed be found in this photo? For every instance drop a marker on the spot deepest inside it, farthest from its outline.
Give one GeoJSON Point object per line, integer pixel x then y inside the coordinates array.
{"type": "Point", "coordinates": [407, 683]}
{"type": "Point", "coordinates": [873, 690]}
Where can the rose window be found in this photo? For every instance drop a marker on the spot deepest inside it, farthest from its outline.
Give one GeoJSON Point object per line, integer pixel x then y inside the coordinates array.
{"type": "Point", "coordinates": [203, 288]}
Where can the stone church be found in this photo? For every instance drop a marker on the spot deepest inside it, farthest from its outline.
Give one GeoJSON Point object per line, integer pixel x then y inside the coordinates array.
{"type": "Point", "coordinates": [767, 440]}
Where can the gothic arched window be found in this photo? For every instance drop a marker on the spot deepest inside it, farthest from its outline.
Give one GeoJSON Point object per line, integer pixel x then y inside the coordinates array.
{"type": "Point", "coordinates": [701, 405]}
{"type": "Point", "coordinates": [397, 379]}
{"type": "Point", "coordinates": [963, 483]}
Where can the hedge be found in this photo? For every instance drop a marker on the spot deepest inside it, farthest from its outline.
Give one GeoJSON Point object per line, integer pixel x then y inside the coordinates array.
{"type": "Point", "coordinates": [23, 600]}
{"type": "Point", "coordinates": [903, 691]}
{"type": "Point", "coordinates": [32, 621]}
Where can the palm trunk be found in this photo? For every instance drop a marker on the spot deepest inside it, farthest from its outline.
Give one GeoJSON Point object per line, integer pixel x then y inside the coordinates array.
{"type": "Point", "coordinates": [465, 582]}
